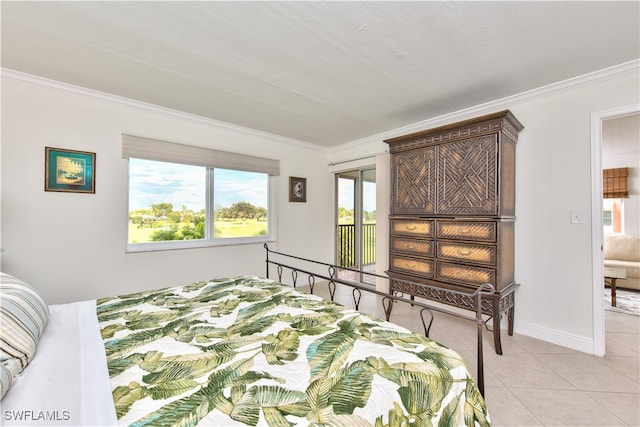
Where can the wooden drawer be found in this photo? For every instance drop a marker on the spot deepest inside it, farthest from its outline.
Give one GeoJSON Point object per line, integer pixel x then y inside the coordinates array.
{"type": "Point", "coordinates": [467, 252]}
{"type": "Point", "coordinates": [416, 266]}
{"type": "Point", "coordinates": [404, 245]}
{"type": "Point", "coordinates": [467, 230]}
{"type": "Point", "coordinates": [465, 274]}
{"type": "Point", "coordinates": [411, 227]}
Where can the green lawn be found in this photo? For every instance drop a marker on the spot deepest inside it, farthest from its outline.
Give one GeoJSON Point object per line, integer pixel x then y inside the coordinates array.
{"type": "Point", "coordinates": [223, 229]}
{"type": "Point", "coordinates": [238, 228]}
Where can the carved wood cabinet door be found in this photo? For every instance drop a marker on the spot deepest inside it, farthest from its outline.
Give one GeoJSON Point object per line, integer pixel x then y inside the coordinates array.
{"type": "Point", "coordinates": [413, 177]}
{"type": "Point", "coordinates": [467, 177]}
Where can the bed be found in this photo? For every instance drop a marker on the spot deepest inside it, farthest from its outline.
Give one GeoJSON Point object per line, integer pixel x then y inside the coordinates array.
{"type": "Point", "coordinates": [228, 351]}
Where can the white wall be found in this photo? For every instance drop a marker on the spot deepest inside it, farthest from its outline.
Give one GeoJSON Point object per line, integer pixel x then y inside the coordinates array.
{"type": "Point", "coordinates": [72, 246]}
{"type": "Point", "coordinates": [553, 258]}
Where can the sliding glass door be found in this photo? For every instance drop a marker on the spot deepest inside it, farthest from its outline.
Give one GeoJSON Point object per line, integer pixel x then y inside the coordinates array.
{"type": "Point", "coordinates": [356, 223]}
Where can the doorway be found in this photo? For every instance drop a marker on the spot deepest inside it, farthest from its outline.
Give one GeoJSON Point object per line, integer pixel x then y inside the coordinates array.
{"type": "Point", "coordinates": [356, 224]}
{"type": "Point", "coordinates": [597, 225]}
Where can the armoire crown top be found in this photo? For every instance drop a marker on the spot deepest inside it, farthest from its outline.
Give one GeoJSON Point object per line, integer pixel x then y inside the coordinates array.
{"type": "Point", "coordinates": [503, 121]}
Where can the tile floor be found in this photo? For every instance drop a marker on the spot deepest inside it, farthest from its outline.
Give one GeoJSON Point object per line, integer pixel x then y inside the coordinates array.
{"type": "Point", "coordinates": [535, 383]}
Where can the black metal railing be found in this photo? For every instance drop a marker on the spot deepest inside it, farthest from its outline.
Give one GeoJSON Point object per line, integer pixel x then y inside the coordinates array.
{"type": "Point", "coordinates": [330, 274]}
{"type": "Point", "coordinates": [347, 245]}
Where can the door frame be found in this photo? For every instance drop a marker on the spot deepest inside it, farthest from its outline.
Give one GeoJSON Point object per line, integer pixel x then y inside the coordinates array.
{"type": "Point", "coordinates": [358, 194]}
{"type": "Point", "coordinates": [597, 234]}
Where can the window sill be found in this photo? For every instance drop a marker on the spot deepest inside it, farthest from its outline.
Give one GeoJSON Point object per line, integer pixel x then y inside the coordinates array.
{"type": "Point", "coordinates": [194, 244]}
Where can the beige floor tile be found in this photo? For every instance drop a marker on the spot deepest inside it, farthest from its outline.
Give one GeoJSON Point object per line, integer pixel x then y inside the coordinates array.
{"type": "Point", "coordinates": [627, 366]}
{"type": "Point", "coordinates": [565, 408]}
{"type": "Point", "coordinates": [626, 406]}
{"type": "Point", "coordinates": [622, 343]}
{"type": "Point", "coordinates": [533, 345]}
{"type": "Point", "coordinates": [524, 370]}
{"type": "Point", "coordinates": [615, 346]}
{"type": "Point", "coordinates": [617, 322]}
{"type": "Point", "coordinates": [588, 373]}
{"type": "Point", "coordinates": [506, 410]}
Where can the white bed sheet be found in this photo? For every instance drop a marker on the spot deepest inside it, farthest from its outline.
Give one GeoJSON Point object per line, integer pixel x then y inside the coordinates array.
{"type": "Point", "coordinates": [67, 383]}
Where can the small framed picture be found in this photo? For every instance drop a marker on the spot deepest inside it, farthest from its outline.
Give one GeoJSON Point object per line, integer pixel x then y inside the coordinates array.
{"type": "Point", "coordinates": [297, 189]}
{"type": "Point", "coordinates": [69, 170]}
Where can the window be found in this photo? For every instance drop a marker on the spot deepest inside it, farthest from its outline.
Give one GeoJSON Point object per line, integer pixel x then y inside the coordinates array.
{"type": "Point", "coordinates": [612, 216]}
{"type": "Point", "coordinates": [195, 200]}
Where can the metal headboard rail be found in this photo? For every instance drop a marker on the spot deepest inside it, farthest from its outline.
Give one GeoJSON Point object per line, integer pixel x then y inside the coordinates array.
{"type": "Point", "coordinates": [388, 299]}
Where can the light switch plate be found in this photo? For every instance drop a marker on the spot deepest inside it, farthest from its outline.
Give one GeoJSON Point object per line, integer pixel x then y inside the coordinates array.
{"type": "Point", "coordinates": [577, 216]}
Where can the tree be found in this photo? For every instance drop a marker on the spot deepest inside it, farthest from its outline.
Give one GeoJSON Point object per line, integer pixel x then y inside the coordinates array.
{"type": "Point", "coordinates": [174, 216]}
{"type": "Point", "coordinates": [261, 214]}
{"type": "Point", "coordinates": [345, 215]}
{"type": "Point", "coordinates": [243, 210]}
{"type": "Point", "coordinates": [193, 233]}
{"type": "Point", "coordinates": [163, 235]}
{"type": "Point", "coordinates": [222, 213]}
{"type": "Point", "coordinates": [162, 209]}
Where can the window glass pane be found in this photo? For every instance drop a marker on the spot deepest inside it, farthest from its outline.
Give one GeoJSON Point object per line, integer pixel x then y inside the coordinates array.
{"type": "Point", "coordinates": [346, 200]}
{"type": "Point", "coordinates": [241, 203]}
{"type": "Point", "coordinates": [167, 201]}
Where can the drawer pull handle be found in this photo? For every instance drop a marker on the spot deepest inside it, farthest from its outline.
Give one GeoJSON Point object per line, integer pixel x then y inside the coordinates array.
{"type": "Point", "coordinates": [411, 227]}
{"type": "Point", "coordinates": [464, 252]}
{"type": "Point", "coordinates": [412, 246]}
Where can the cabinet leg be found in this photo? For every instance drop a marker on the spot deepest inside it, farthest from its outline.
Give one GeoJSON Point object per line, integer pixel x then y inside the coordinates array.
{"type": "Point", "coordinates": [510, 317]}
{"type": "Point", "coordinates": [496, 332]}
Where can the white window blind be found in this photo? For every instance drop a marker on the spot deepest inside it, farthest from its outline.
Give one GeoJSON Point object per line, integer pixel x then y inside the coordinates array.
{"type": "Point", "coordinates": [152, 149]}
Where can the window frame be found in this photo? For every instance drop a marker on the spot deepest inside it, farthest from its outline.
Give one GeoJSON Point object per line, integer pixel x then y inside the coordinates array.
{"type": "Point", "coordinates": [150, 149]}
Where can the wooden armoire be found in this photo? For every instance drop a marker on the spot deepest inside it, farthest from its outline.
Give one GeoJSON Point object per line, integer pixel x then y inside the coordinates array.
{"type": "Point", "coordinates": [452, 213]}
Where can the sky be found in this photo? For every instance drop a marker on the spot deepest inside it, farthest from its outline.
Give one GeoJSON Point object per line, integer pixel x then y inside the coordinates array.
{"type": "Point", "coordinates": [345, 195]}
{"type": "Point", "coordinates": [183, 185]}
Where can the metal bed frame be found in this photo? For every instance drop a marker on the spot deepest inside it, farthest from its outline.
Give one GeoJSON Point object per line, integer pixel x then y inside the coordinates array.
{"type": "Point", "coordinates": [387, 299]}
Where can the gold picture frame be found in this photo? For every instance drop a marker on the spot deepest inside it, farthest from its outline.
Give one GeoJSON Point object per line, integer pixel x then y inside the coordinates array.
{"type": "Point", "coordinates": [69, 171]}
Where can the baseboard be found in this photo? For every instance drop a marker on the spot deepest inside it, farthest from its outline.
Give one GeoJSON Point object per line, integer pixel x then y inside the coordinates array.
{"type": "Point", "coordinates": [560, 338]}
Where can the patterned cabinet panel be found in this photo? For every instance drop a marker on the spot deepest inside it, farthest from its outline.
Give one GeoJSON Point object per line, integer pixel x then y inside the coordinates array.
{"type": "Point", "coordinates": [467, 177]}
{"type": "Point", "coordinates": [465, 274]}
{"type": "Point", "coordinates": [467, 253]}
{"type": "Point", "coordinates": [419, 247]}
{"type": "Point", "coordinates": [482, 231]}
{"type": "Point", "coordinates": [413, 181]}
{"type": "Point", "coordinates": [411, 227]}
{"type": "Point", "coordinates": [410, 265]}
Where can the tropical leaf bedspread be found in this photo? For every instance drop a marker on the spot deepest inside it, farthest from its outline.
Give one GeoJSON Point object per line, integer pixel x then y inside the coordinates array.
{"type": "Point", "coordinates": [249, 351]}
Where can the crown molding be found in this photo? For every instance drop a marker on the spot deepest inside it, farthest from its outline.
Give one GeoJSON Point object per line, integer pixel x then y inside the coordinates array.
{"type": "Point", "coordinates": [37, 81]}
{"type": "Point", "coordinates": [610, 73]}
{"type": "Point", "coordinates": [631, 67]}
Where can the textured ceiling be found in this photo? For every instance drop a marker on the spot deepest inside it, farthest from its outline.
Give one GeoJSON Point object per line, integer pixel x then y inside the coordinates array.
{"type": "Point", "coordinates": [322, 72]}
